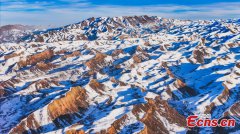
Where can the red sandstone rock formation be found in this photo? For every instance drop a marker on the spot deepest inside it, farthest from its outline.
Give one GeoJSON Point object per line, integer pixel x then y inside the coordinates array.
{"type": "Point", "coordinates": [34, 59]}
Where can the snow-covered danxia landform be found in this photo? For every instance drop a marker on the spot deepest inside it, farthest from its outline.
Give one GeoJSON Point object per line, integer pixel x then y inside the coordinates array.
{"type": "Point", "coordinates": [131, 74]}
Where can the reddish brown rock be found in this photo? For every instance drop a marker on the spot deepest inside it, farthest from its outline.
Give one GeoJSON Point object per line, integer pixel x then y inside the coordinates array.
{"type": "Point", "coordinates": [234, 110]}
{"type": "Point", "coordinates": [180, 83]}
{"type": "Point", "coordinates": [4, 92]}
{"type": "Point", "coordinates": [42, 66]}
{"type": "Point", "coordinates": [74, 101]}
{"type": "Point", "coordinates": [147, 43]}
{"type": "Point", "coordinates": [122, 37]}
{"type": "Point", "coordinates": [4, 85]}
{"type": "Point", "coordinates": [97, 61]}
{"type": "Point", "coordinates": [182, 87]}
{"type": "Point", "coordinates": [199, 56]}
{"type": "Point", "coordinates": [34, 59]}
{"type": "Point", "coordinates": [117, 82]}
{"type": "Point", "coordinates": [95, 85]}
{"type": "Point", "coordinates": [44, 83]}
{"type": "Point", "coordinates": [28, 125]}
{"type": "Point", "coordinates": [6, 57]}
{"type": "Point", "coordinates": [170, 73]}
{"type": "Point", "coordinates": [61, 52]}
{"type": "Point", "coordinates": [115, 126]}
{"type": "Point", "coordinates": [153, 109]}
{"type": "Point", "coordinates": [39, 38]}
{"type": "Point", "coordinates": [225, 94]}
{"type": "Point", "coordinates": [238, 65]}
{"type": "Point", "coordinates": [209, 108]}
{"type": "Point", "coordinates": [117, 52]}
{"type": "Point", "coordinates": [75, 132]}
{"type": "Point", "coordinates": [140, 57]}
{"type": "Point", "coordinates": [231, 45]}
{"type": "Point", "coordinates": [73, 54]}
{"type": "Point", "coordinates": [81, 37]}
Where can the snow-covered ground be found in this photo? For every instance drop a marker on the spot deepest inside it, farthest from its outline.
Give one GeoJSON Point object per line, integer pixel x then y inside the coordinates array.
{"type": "Point", "coordinates": [192, 65]}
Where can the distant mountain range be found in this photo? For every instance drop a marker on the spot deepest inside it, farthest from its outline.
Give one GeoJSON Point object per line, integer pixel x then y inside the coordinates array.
{"type": "Point", "coordinates": [130, 74]}
{"type": "Point", "coordinates": [14, 33]}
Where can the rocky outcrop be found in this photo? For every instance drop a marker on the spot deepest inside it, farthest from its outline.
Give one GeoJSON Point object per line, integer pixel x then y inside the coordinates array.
{"type": "Point", "coordinates": [222, 98]}
{"type": "Point", "coordinates": [95, 85]}
{"type": "Point", "coordinates": [29, 125]}
{"type": "Point", "coordinates": [200, 53]}
{"type": "Point", "coordinates": [182, 87]}
{"type": "Point", "coordinates": [44, 83]}
{"type": "Point", "coordinates": [225, 94]}
{"type": "Point", "coordinates": [97, 61]}
{"type": "Point", "coordinates": [117, 82]}
{"type": "Point", "coordinates": [153, 111]}
{"type": "Point", "coordinates": [140, 58]}
{"type": "Point", "coordinates": [115, 126]}
{"type": "Point", "coordinates": [6, 57]}
{"type": "Point", "coordinates": [231, 45]}
{"type": "Point", "coordinates": [199, 56]}
{"type": "Point", "coordinates": [117, 52]}
{"type": "Point", "coordinates": [42, 66]}
{"type": "Point", "coordinates": [101, 25]}
{"type": "Point", "coordinates": [74, 101]}
{"type": "Point", "coordinates": [234, 110]}
{"type": "Point", "coordinates": [238, 65]}
{"type": "Point", "coordinates": [75, 132]}
{"type": "Point", "coordinates": [209, 108]}
{"type": "Point", "coordinates": [34, 59]}
{"type": "Point", "coordinates": [178, 84]}
{"type": "Point", "coordinates": [73, 54]}
{"type": "Point", "coordinates": [6, 86]}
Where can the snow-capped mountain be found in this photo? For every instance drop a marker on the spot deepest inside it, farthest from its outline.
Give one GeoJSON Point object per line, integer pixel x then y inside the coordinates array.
{"type": "Point", "coordinates": [132, 74]}
{"type": "Point", "coordinates": [14, 33]}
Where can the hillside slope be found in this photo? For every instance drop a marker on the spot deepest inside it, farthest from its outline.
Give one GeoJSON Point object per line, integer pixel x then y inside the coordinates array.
{"type": "Point", "coordinates": [133, 74]}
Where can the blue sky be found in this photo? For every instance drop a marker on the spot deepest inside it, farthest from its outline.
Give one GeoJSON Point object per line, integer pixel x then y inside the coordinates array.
{"type": "Point", "coordinates": [62, 12]}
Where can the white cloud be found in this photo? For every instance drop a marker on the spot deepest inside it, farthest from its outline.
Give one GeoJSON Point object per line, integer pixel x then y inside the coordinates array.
{"type": "Point", "coordinates": [55, 15]}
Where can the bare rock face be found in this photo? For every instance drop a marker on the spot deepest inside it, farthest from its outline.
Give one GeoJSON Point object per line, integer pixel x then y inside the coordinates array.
{"type": "Point", "coordinates": [117, 52]}
{"type": "Point", "coordinates": [41, 66]}
{"type": "Point", "coordinates": [73, 101]}
{"type": "Point", "coordinates": [118, 82]}
{"type": "Point", "coordinates": [225, 94]}
{"type": "Point", "coordinates": [201, 52]}
{"type": "Point", "coordinates": [5, 86]}
{"type": "Point", "coordinates": [199, 56]}
{"type": "Point", "coordinates": [140, 58]}
{"type": "Point", "coordinates": [152, 113]}
{"type": "Point", "coordinates": [34, 59]}
{"type": "Point", "coordinates": [95, 85]}
{"type": "Point", "coordinates": [30, 123]}
{"type": "Point", "coordinates": [97, 61]}
{"type": "Point", "coordinates": [45, 83]}
{"type": "Point", "coordinates": [238, 65]}
{"type": "Point", "coordinates": [75, 132]}
{"type": "Point", "coordinates": [151, 118]}
{"type": "Point", "coordinates": [73, 54]}
{"type": "Point", "coordinates": [234, 111]}
{"type": "Point", "coordinates": [231, 45]}
{"type": "Point", "coordinates": [115, 126]}
{"type": "Point", "coordinates": [6, 57]}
